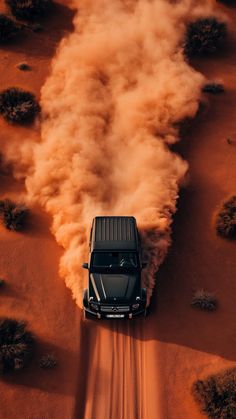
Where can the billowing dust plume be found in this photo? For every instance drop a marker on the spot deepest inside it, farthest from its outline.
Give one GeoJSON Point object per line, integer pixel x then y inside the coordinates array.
{"type": "Point", "coordinates": [118, 89]}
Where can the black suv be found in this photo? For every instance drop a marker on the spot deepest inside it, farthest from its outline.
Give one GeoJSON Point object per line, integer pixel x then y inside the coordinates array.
{"type": "Point", "coordinates": [114, 280]}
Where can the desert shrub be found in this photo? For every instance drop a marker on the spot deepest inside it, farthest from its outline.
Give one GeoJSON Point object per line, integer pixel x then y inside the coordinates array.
{"type": "Point", "coordinates": [18, 106]}
{"type": "Point", "coordinates": [204, 36]}
{"type": "Point", "coordinates": [29, 9]}
{"type": "Point", "coordinates": [16, 345]}
{"type": "Point", "coordinates": [48, 361]}
{"type": "Point", "coordinates": [213, 88]}
{"type": "Point", "coordinates": [13, 215]}
{"type": "Point", "coordinates": [217, 395]}
{"type": "Point", "coordinates": [204, 300]}
{"type": "Point", "coordinates": [8, 28]}
{"type": "Point", "coordinates": [226, 219]}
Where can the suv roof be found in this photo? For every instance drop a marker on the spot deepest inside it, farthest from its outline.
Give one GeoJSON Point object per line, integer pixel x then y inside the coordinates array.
{"type": "Point", "coordinates": [114, 233]}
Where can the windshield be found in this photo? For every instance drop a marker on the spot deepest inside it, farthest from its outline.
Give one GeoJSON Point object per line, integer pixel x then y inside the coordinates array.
{"type": "Point", "coordinates": [114, 260]}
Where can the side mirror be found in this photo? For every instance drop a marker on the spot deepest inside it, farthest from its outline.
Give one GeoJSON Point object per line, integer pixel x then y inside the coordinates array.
{"type": "Point", "coordinates": [144, 265]}
{"type": "Point", "coordinates": [85, 266]}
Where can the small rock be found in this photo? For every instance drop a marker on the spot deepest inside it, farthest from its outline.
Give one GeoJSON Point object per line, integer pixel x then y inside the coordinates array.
{"type": "Point", "coordinates": [23, 67]}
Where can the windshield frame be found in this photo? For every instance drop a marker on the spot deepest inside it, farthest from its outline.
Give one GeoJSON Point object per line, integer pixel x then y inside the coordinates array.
{"type": "Point", "coordinates": [115, 268]}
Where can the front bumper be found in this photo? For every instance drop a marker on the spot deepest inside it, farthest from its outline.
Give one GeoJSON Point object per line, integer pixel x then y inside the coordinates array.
{"type": "Point", "coordinates": [126, 315]}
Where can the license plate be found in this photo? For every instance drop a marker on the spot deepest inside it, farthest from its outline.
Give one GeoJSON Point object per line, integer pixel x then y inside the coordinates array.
{"type": "Point", "coordinates": [112, 316]}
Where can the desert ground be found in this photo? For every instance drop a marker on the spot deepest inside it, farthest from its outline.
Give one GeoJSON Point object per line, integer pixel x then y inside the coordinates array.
{"type": "Point", "coordinates": [142, 369]}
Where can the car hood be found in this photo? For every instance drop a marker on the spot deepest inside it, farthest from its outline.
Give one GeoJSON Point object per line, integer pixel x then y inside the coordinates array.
{"type": "Point", "coordinates": [110, 287]}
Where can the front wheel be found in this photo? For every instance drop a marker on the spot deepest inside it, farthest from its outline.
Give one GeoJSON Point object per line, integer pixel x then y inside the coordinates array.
{"type": "Point", "coordinates": [85, 298]}
{"type": "Point", "coordinates": [144, 302]}
{"type": "Point", "coordinates": [144, 296]}
{"type": "Point", "coordinates": [85, 315]}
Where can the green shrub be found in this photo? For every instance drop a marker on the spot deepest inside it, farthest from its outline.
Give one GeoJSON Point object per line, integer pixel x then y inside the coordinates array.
{"type": "Point", "coordinates": [204, 36]}
{"type": "Point", "coordinates": [226, 219]}
{"type": "Point", "coordinates": [29, 9]}
{"type": "Point", "coordinates": [217, 395]}
{"type": "Point", "coordinates": [8, 28]}
{"type": "Point", "coordinates": [204, 300]}
{"type": "Point", "coordinates": [18, 106]}
{"type": "Point", "coordinates": [13, 215]}
{"type": "Point", "coordinates": [16, 345]}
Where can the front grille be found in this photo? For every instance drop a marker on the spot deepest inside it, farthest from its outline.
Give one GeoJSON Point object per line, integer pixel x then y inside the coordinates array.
{"type": "Point", "coordinates": [115, 309]}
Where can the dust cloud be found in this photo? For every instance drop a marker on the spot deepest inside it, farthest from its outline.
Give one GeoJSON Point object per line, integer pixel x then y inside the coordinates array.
{"type": "Point", "coordinates": [118, 89]}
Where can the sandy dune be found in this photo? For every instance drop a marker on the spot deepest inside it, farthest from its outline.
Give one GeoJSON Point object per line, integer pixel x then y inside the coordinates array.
{"type": "Point", "coordinates": [125, 370]}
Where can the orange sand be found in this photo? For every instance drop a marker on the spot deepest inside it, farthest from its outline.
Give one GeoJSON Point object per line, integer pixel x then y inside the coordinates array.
{"type": "Point", "coordinates": [125, 370]}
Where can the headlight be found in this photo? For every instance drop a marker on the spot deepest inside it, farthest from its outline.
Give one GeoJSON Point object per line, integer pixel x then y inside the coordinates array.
{"type": "Point", "coordinates": [135, 306]}
{"type": "Point", "coordinates": [94, 306]}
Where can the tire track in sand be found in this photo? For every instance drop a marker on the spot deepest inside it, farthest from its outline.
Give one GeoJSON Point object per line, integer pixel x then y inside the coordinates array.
{"type": "Point", "coordinates": [115, 382]}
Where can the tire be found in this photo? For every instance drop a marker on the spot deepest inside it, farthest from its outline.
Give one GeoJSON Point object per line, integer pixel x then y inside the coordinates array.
{"type": "Point", "coordinates": [144, 296]}
{"type": "Point", "coordinates": [88, 316]}
{"type": "Point", "coordinates": [147, 311]}
{"type": "Point", "coordinates": [85, 298]}
{"type": "Point", "coordinates": [85, 315]}
{"type": "Point", "coordinates": [144, 302]}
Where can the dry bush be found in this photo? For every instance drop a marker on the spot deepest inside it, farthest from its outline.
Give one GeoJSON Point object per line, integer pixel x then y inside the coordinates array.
{"type": "Point", "coordinates": [18, 106]}
{"type": "Point", "coordinates": [204, 36]}
{"type": "Point", "coordinates": [226, 219]}
{"type": "Point", "coordinates": [213, 88]}
{"type": "Point", "coordinates": [16, 345]}
{"type": "Point", "coordinates": [29, 9]}
{"type": "Point", "coordinates": [8, 28]}
{"type": "Point", "coordinates": [217, 395]}
{"type": "Point", "coordinates": [48, 361]}
{"type": "Point", "coordinates": [13, 215]}
{"type": "Point", "coordinates": [204, 300]}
